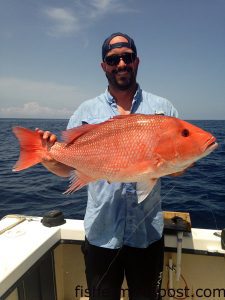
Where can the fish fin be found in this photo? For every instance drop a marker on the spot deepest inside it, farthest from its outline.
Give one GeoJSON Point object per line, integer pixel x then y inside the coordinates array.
{"type": "Point", "coordinates": [144, 188]}
{"type": "Point", "coordinates": [77, 181]}
{"type": "Point", "coordinates": [70, 135]}
{"type": "Point", "coordinates": [121, 117]}
{"type": "Point", "coordinates": [31, 148]}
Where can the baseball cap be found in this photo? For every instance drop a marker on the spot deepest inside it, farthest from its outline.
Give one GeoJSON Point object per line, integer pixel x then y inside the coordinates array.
{"type": "Point", "coordinates": [106, 47]}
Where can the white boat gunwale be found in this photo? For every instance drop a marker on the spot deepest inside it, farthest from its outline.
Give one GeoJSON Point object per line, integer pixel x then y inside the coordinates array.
{"type": "Point", "coordinates": [199, 241]}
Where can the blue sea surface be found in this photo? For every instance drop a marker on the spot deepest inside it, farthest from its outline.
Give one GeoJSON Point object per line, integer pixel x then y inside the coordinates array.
{"type": "Point", "coordinates": [200, 191]}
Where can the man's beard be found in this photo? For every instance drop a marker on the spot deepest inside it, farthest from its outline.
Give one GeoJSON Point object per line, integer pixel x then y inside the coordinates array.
{"type": "Point", "coordinates": [122, 83]}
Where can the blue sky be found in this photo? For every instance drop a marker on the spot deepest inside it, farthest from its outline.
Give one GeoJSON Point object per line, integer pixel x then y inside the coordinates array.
{"type": "Point", "coordinates": [50, 53]}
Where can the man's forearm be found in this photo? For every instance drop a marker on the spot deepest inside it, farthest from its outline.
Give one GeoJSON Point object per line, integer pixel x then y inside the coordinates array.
{"type": "Point", "coordinates": [58, 168]}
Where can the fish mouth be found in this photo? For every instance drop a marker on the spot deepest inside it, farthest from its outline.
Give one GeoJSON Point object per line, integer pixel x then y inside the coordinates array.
{"type": "Point", "coordinates": [211, 145]}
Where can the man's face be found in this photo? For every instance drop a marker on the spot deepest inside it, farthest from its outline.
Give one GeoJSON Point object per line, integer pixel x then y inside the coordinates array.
{"type": "Point", "coordinates": [123, 74]}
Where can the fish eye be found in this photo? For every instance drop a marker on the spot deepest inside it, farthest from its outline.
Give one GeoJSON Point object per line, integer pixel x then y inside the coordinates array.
{"type": "Point", "coordinates": [185, 132]}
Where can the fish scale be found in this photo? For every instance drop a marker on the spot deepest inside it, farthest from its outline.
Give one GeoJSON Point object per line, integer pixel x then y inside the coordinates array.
{"type": "Point", "coordinates": [128, 138]}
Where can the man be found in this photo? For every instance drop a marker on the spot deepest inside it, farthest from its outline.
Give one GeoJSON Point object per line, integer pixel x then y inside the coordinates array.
{"type": "Point", "coordinates": [122, 236]}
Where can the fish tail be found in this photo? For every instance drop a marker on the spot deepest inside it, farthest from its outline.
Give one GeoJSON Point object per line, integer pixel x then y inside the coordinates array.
{"type": "Point", "coordinates": [31, 148]}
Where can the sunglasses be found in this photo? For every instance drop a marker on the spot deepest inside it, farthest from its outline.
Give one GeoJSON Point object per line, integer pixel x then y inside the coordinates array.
{"type": "Point", "coordinates": [113, 60]}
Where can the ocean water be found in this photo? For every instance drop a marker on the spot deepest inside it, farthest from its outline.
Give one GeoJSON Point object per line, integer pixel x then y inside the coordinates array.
{"type": "Point", "coordinates": [200, 191]}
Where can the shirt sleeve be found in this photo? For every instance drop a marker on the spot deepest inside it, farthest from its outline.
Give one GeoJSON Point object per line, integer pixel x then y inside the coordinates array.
{"type": "Point", "coordinates": [76, 119]}
{"type": "Point", "coordinates": [173, 112]}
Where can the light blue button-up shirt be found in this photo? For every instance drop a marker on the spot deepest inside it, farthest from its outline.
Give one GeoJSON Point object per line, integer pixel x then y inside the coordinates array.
{"type": "Point", "coordinates": [113, 217]}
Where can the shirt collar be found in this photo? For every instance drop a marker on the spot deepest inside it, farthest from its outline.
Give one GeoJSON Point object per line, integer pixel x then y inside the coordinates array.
{"type": "Point", "coordinates": [109, 97]}
{"type": "Point", "coordinates": [138, 95]}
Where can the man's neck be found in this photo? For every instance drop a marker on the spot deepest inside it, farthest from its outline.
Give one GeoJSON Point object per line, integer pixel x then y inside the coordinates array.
{"type": "Point", "coordinates": [123, 98]}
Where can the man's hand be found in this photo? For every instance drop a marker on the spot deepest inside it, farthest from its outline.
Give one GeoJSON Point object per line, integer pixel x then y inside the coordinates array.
{"type": "Point", "coordinates": [48, 138]}
{"type": "Point", "coordinates": [54, 166]}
